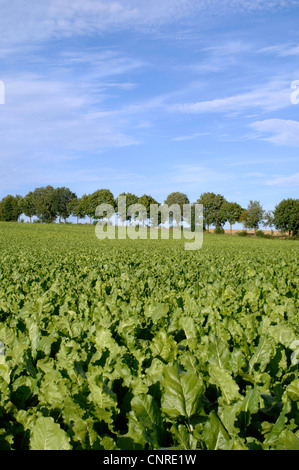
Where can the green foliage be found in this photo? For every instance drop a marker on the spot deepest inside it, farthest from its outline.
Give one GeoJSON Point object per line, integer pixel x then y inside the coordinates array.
{"type": "Point", "coordinates": [213, 212]}
{"type": "Point", "coordinates": [286, 216]}
{"type": "Point", "coordinates": [90, 202]}
{"type": "Point", "coordinates": [146, 201]}
{"type": "Point", "coordinates": [177, 199]}
{"type": "Point", "coordinates": [63, 198]}
{"type": "Point", "coordinates": [255, 215]}
{"type": "Point", "coordinates": [45, 203]}
{"type": "Point", "coordinates": [231, 212]}
{"type": "Point", "coordinates": [269, 220]}
{"type": "Point", "coordinates": [28, 205]}
{"type": "Point", "coordinates": [260, 234]}
{"type": "Point", "coordinates": [10, 208]}
{"type": "Point", "coordinates": [122, 344]}
{"type": "Point", "coordinates": [130, 200]}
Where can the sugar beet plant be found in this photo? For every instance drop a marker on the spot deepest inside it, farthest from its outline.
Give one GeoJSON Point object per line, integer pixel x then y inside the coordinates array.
{"type": "Point", "coordinates": [126, 344]}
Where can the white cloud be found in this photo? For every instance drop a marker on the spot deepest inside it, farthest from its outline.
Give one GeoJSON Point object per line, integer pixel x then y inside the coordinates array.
{"type": "Point", "coordinates": [37, 173]}
{"type": "Point", "coordinates": [197, 174]}
{"type": "Point", "coordinates": [47, 116]}
{"type": "Point", "coordinates": [292, 180]}
{"type": "Point", "coordinates": [190, 137]}
{"type": "Point", "coordinates": [229, 48]}
{"type": "Point", "coordinates": [38, 20]}
{"type": "Point", "coordinates": [282, 50]}
{"type": "Point", "coordinates": [103, 64]}
{"type": "Point", "coordinates": [272, 96]}
{"type": "Point", "coordinates": [284, 132]}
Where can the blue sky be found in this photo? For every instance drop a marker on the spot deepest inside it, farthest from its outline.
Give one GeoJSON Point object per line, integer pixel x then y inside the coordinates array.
{"type": "Point", "coordinates": [151, 97]}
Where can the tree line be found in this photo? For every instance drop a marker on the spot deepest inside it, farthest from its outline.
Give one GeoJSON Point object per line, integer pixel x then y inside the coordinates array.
{"type": "Point", "coordinates": [49, 203]}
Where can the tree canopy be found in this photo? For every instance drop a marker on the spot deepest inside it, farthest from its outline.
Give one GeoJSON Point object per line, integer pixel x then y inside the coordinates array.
{"type": "Point", "coordinates": [10, 208]}
{"type": "Point", "coordinates": [255, 215]}
{"type": "Point", "coordinates": [286, 216]}
{"type": "Point", "coordinates": [231, 212]}
{"type": "Point", "coordinates": [49, 203]}
{"type": "Point", "coordinates": [212, 213]}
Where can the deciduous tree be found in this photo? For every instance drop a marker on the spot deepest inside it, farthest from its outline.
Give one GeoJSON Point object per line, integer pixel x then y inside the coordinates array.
{"type": "Point", "coordinates": [45, 203]}
{"type": "Point", "coordinates": [286, 216]}
{"type": "Point", "coordinates": [179, 199]}
{"type": "Point", "coordinates": [269, 220]}
{"type": "Point", "coordinates": [212, 213]}
{"type": "Point", "coordinates": [255, 215]}
{"type": "Point", "coordinates": [28, 206]}
{"type": "Point", "coordinates": [231, 211]}
{"type": "Point", "coordinates": [10, 209]}
{"type": "Point", "coordinates": [63, 196]}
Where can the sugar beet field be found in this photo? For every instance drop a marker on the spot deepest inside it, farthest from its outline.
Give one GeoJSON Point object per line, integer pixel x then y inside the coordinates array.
{"type": "Point", "coordinates": [139, 344]}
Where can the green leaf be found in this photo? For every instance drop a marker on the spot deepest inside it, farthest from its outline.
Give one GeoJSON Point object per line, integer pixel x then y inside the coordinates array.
{"type": "Point", "coordinates": [34, 334]}
{"type": "Point", "coordinates": [283, 334]}
{"type": "Point", "coordinates": [157, 312]}
{"type": "Point", "coordinates": [100, 394]}
{"type": "Point", "coordinates": [262, 354]}
{"type": "Point", "coordinates": [148, 414]}
{"type": "Point", "coordinates": [185, 438]}
{"type": "Point", "coordinates": [104, 340]}
{"type": "Point", "coordinates": [251, 401]}
{"type": "Point", "coordinates": [164, 346]}
{"type": "Point", "coordinates": [6, 440]}
{"type": "Point", "coordinates": [250, 405]}
{"type": "Point", "coordinates": [288, 440]}
{"type": "Point", "coordinates": [134, 439]}
{"type": "Point", "coordinates": [48, 435]}
{"type": "Point", "coordinates": [292, 390]}
{"type": "Point", "coordinates": [214, 434]}
{"type": "Point", "coordinates": [5, 372]}
{"type": "Point", "coordinates": [189, 327]}
{"type": "Point", "coordinates": [219, 353]}
{"type": "Point", "coordinates": [276, 430]}
{"type": "Point", "coordinates": [224, 381]}
{"type": "Point", "coordinates": [182, 392]}
{"type": "Point", "coordinates": [108, 443]}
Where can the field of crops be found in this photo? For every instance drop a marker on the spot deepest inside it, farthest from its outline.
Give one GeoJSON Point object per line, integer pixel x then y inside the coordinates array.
{"type": "Point", "coordinates": [123, 344]}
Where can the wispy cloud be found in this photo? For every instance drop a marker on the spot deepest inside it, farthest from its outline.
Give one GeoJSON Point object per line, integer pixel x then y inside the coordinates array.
{"type": "Point", "coordinates": [229, 48]}
{"type": "Point", "coordinates": [190, 137]}
{"type": "Point", "coordinates": [272, 96]}
{"type": "Point", "coordinates": [37, 172]}
{"type": "Point", "coordinates": [283, 132]}
{"type": "Point", "coordinates": [36, 20]}
{"type": "Point", "coordinates": [197, 174]}
{"type": "Point", "coordinates": [292, 180]}
{"type": "Point", "coordinates": [43, 113]}
{"type": "Point", "coordinates": [282, 50]}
